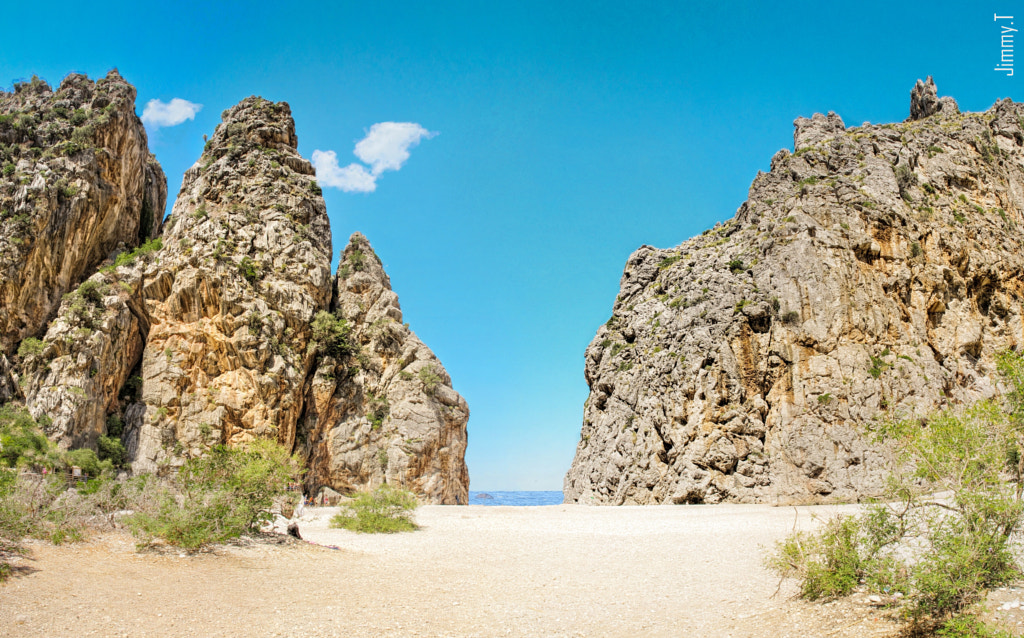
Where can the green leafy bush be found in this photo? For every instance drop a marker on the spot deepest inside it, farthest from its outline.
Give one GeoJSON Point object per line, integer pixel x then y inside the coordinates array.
{"type": "Point", "coordinates": [151, 246]}
{"type": "Point", "coordinates": [22, 442]}
{"type": "Point", "coordinates": [111, 449]}
{"type": "Point", "coordinates": [357, 260]}
{"type": "Point", "coordinates": [942, 534]}
{"type": "Point", "coordinates": [385, 510]}
{"type": "Point", "coordinates": [331, 335]}
{"type": "Point", "coordinates": [30, 347]}
{"type": "Point", "coordinates": [429, 378]}
{"type": "Point", "coordinates": [218, 497]}
{"type": "Point", "coordinates": [88, 461]}
{"type": "Point", "coordinates": [377, 409]}
{"type": "Point", "coordinates": [249, 269]}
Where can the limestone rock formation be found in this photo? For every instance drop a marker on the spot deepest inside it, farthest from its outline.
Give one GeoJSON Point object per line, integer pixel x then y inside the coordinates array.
{"type": "Point", "coordinates": [245, 265]}
{"type": "Point", "coordinates": [78, 185]}
{"type": "Point", "coordinates": [385, 411]}
{"type": "Point", "coordinates": [83, 365]}
{"type": "Point", "coordinates": [249, 335]}
{"type": "Point", "coordinates": [874, 270]}
{"type": "Point", "coordinates": [220, 326]}
{"type": "Point", "coordinates": [78, 182]}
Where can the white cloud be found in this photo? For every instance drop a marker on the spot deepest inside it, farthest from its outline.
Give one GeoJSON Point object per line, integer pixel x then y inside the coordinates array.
{"type": "Point", "coordinates": [158, 114]}
{"type": "Point", "coordinates": [385, 148]}
{"type": "Point", "coordinates": [353, 178]}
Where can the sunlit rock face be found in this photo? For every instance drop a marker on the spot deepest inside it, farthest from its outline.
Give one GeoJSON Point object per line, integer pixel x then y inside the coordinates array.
{"type": "Point", "coordinates": [78, 186]}
{"type": "Point", "coordinates": [874, 270]}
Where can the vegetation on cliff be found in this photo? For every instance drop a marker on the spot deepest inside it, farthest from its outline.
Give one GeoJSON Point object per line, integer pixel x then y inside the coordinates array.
{"type": "Point", "coordinates": [941, 535]}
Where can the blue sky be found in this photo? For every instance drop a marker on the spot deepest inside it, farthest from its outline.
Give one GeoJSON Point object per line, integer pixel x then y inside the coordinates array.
{"type": "Point", "coordinates": [568, 134]}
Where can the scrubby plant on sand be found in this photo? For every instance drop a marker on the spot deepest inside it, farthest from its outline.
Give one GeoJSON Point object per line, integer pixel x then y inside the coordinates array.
{"type": "Point", "coordinates": [217, 497]}
{"type": "Point", "coordinates": [384, 510]}
{"type": "Point", "coordinates": [38, 498]}
{"type": "Point", "coordinates": [941, 534]}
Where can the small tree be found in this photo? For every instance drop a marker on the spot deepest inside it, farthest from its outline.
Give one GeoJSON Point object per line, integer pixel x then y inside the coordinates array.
{"type": "Point", "coordinates": [220, 496]}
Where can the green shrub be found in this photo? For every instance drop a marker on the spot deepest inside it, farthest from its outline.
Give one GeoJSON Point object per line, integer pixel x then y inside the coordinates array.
{"type": "Point", "coordinates": [943, 552]}
{"type": "Point", "coordinates": [429, 378]}
{"type": "Point", "coordinates": [30, 347]}
{"type": "Point", "coordinates": [9, 169]}
{"type": "Point", "coordinates": [331, 335]}
{"type": "Point", "coordinates": [255, 323]}
{"type": "Point", "coordinates": [93, 291]}
{"type": "Point", "coordinates": [249, 269]}
{"type": "Point", "coordinates": [377, 409]}
{"type": "Point", "coordinates": [736, 265]}
{"type": "Point", "coordinates": [385, 510]}
{"type": "Point", "coordinates": [151, 246]}
{"type": "Point", "coordinates": [88, 461]}
{"type": "Point", "coordinates": [968, 626]}
{"type": "Point", "coordinates": [357, 260]}
{"type": "Point", "coordinates": [111, 449]}
{"type": "Point", "coordinates": [22, 442]}
{"type": "Point", "coordinates": [220, 496]}
{"type": "Point", "coordinates": [667, 262]}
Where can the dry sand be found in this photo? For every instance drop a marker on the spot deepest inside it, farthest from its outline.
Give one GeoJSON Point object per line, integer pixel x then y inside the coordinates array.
{"type": "Point", "coordinates": [470, 571]}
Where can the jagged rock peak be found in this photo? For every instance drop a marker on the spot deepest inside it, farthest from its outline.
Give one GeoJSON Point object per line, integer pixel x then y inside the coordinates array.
{"type": "Point", "coordinates": [370, 269]}
{"type": "Point", "coordinates": [925, 101]}
{"type": "Point", "coordinates": [256, 121]}
{"type": "Point", "coordinates": [244, 270]}
{"type": "Point", "coordinates": [874, 271]}
{"type": "Point", "coordinates": [78, 185]}
{"type": "Point", "coordinates": [808, 132]}
{"type": "Point", "coordinates": [385, 411]}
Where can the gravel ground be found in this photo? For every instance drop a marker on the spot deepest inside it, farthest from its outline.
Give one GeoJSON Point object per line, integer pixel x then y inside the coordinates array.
{"type": "Point", "coordinates": [564, 570]}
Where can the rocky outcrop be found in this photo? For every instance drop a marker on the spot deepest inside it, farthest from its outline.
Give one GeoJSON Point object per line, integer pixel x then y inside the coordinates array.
{"type": "Point", "coordinates": [219, 327]}
{"type": "Point", "coordinates": [247, 334]}
{"type": "Point", "coordinates": [873, 271]}
{"type": "Point", "coordinates": [245, 265]}
{"type": "Point", "coordinates": [79, 374]}
{"type": "Point", "coordinates": [78, 183]}
{"type": "Point", "coordinates": [79, 186]}
{"type": "Point", "coordinates": [384, 411]}
{"type": "Point", "coordinates": [925, 101]}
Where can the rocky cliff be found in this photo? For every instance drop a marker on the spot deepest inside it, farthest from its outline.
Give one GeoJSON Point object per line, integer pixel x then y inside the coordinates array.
{"type": "Point", "coordinates": [244, 266]}
{"type": "Point", "coordinates": [873, 270]}
{"type": "Point", "coordinates": [252, 337]}
{"type": "Point", "coordinates": [384, 411]}
{"type": "Point", "coordinates": [224, 324]}
{"type": "Point", "coordinates": [78, 186]}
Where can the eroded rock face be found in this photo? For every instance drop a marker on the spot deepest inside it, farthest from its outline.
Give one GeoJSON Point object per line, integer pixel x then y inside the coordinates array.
{"type": "Point", "coordinates": [79, 186]}
{"type": "Point", "coordinates": [876, 270]}
{"type": "Point", "coordinates": [231, 352]}
{"type": "Point", "coordinates": [206, 334]}
{"type": "Point", "coordinates": [79, 376]}
{"type": "Point", "coordinates": [245, 266]}
{"type": "Point", "coordinates": [387, 412]}
{"type": "Point", "coordinates": [78, 183]}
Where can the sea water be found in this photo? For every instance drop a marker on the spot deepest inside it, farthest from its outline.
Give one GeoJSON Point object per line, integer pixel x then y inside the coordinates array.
{"type": "Point", "coordinates": [515, 498]}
